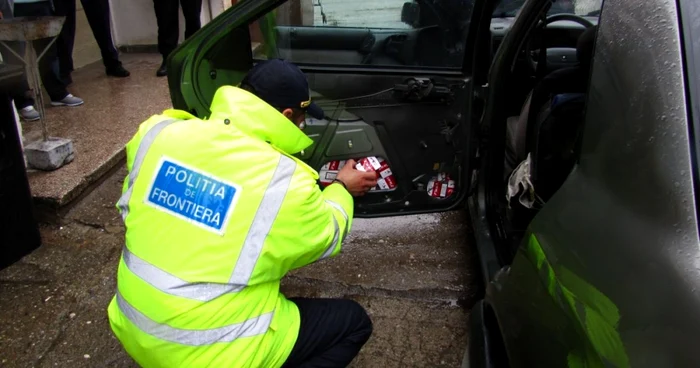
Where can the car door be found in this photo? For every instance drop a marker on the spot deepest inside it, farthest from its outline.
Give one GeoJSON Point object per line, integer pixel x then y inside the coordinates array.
{"type": "Point", "coordinates": [394, 91]}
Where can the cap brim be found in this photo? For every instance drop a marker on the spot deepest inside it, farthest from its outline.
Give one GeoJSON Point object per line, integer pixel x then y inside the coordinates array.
{"type": "Point", "coordinates": [315, 112]}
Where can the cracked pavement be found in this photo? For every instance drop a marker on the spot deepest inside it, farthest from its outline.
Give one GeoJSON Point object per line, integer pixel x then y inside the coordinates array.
{"type": "Point", "coordinates": [416, 276]}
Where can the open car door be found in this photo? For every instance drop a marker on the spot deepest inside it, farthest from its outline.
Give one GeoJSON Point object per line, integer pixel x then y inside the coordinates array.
{"type": "Point", "coordinates": [393, 77]}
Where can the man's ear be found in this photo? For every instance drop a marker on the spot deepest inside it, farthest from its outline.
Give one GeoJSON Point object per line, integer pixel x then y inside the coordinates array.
{"type": "Point", "coordinates": [288, 113]}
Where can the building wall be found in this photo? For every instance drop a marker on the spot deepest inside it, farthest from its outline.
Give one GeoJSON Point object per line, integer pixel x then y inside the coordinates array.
{"type": "Point", "coordinates": [134, 21]}
{"type": "Point", "coordinates": [85, 50]}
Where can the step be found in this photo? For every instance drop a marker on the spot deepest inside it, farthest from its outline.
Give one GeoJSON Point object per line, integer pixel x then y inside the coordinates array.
{"type": "Point", "coordinates": [113, 110]}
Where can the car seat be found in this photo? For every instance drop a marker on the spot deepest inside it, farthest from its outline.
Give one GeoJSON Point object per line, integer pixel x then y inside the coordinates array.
{"type": "Point", "coordinates": [546, 135]}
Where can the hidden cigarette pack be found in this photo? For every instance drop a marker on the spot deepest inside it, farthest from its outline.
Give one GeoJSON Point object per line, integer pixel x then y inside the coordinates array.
{"type": "Point", "coordinates": [385, 178]}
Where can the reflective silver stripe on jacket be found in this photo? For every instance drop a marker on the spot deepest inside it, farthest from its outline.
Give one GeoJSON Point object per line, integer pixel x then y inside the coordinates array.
{"type": "Point", "coordinates": [144, 146]}
{"type": "Point", "coordinates": [334, 243]}
{"type": "Point", "coordinates": [171, 284]}
{"type": "Point", "coordinates": [251, 327]}
{"type": "Point", "coordinates": [336, 237]}
{"type": "Point", "coordinates": [342, 212]}
{"type": "Point", "coordinates": [263, 220]}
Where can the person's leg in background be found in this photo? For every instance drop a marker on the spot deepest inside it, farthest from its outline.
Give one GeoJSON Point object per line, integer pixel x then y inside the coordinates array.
{"type": "Point", "coordinates": [24, 102]}
{"type": "Point", "coordinates": [98, 16]}
{"type": "Point", "coordinates": [168, 21]}
{"type": "Point", "coordinates": [331, 334]}
{"type": "Point", "coordinates": [21, 93]}
{"type": "Point", "coordinates": [192, 11]}
{"type": "Point", "coordinates": [54, 86]}
{"type": "Point", "coordinates": [66, 39]}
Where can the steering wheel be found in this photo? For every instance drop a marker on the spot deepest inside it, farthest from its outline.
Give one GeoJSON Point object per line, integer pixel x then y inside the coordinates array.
{"type": "Point", "coordinates": [552, 19]}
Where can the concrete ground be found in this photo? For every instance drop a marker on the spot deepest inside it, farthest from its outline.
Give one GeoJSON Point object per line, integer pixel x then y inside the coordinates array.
{"type": "Point", "coordinates": [415, 275]}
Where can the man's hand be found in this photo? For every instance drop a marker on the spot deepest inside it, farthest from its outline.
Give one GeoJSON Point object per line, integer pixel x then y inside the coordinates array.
{"type": "Point", "coordinates": [356, 182]}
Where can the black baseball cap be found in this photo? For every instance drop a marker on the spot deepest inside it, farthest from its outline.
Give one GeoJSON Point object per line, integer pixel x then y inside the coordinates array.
{"type": "Point", "coordinates": [282, 85]}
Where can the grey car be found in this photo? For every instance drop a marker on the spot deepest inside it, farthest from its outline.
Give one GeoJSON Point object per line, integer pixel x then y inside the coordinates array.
{"type": "Point", "coordinates": [605, 272]}
{"type": "Point", "coordinates": [566, 128]}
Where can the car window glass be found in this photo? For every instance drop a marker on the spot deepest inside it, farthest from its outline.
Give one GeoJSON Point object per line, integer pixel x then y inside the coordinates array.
{"type": "Point", "coordinates": [387, 33]}
{"type": "Point", "coordinates": [510, 8]}
{"type": "Point", "coordinates": [690, 11]}
{"type": "Point", "coordinates": [690, 19]}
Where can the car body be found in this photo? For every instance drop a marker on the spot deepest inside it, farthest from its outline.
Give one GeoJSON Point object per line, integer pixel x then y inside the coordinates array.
{"type": "Point", "coordinates": [605, 273]}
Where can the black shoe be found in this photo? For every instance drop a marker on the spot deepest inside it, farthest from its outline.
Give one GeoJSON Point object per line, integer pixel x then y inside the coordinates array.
{"type": "Point", "coordinates": [117, 71]}
{"type": "Point", "coordinates": [162, 71]}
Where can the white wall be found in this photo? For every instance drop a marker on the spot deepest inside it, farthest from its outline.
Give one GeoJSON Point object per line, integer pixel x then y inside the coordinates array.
{"type": "Point", "coordinates": [134, 21]}
{"type": "Point", "coordinates": [85, 49]}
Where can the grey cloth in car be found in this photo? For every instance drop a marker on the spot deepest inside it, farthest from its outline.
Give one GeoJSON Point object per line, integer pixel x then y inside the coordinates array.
{"type": "Point", "coordinates": [520, 186]}
{"type": "Point", "coordinates": [519, 182]}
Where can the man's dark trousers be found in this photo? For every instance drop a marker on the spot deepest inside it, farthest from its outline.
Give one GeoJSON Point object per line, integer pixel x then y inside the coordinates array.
{"type": "Point", "coordinates": [169, 24]}
{"type": "Point", "coordinates": [331, 334]}
{"type": "Point", "coordinates": [98, 16]}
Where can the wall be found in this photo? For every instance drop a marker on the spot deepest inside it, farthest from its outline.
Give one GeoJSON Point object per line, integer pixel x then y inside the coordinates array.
{"type": "Point", "coordinates": [85, 49]}
{"type": "Point", "coordinates": [134, 21]}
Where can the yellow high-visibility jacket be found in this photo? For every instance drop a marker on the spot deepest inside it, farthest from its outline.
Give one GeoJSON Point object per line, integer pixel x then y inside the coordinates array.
{"type": "Point", "coordinates": [216, 213]}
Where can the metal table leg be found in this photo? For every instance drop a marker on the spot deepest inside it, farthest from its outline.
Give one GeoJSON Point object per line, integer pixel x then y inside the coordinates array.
{"type": "Point", "coordinates": [31, 64]}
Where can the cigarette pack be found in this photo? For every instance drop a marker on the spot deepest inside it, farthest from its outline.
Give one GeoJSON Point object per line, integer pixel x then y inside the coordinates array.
{"type": "Point", "coordinates": [385, 177]}
{"type": "Point", "coordinates": [441, 186]}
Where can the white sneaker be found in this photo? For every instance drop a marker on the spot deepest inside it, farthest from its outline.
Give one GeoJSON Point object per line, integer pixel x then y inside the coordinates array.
{"type": "Point", "coordinates": [29, 113]}
{"type": "Point", "coordinates": [69, 100]}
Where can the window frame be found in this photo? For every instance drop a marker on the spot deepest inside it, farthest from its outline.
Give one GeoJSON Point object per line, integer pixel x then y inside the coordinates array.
{"type": "Point", "coordinates": [456, 71]}
{"type": "Point", "coordinates": [690, 45]}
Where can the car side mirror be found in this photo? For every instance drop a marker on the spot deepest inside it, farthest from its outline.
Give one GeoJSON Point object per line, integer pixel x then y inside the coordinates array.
{"type": "Point", "coordinates": [410, 14]}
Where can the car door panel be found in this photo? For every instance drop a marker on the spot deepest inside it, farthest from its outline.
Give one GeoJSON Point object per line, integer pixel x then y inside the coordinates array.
{"type": "Point", "coordinates": [419, 140]}
{"type": "Point", "coordinates": [324, 38]}
{"type": "Point", "coordinates": [338, 45]}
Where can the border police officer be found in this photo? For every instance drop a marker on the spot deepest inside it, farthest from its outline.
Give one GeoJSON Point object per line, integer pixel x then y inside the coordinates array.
{"type": "Point", "coordinates": [217, 211]}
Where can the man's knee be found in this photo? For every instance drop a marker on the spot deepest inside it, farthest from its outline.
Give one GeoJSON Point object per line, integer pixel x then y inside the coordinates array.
{"type": "Point", "coordinates": [363, 322]}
